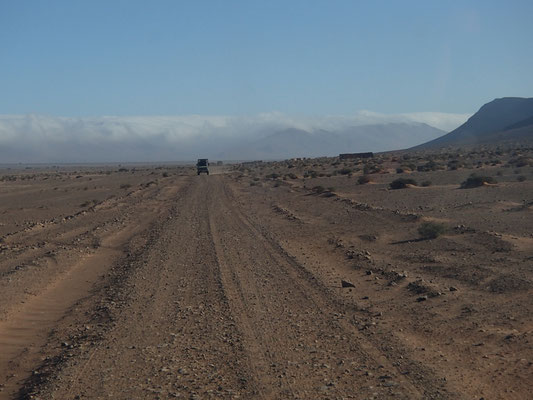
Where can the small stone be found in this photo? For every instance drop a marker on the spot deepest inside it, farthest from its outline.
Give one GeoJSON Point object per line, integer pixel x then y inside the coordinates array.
{"type": "Point", "coordinates": [346, 284]}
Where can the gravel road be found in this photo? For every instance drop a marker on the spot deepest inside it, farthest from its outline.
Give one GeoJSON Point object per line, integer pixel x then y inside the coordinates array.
{"type": "Point", "coordinates": [187, 296]}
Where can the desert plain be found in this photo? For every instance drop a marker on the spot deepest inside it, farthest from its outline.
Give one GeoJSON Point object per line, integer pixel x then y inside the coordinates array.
{"type": "Point", "coordinates": [296, 279]}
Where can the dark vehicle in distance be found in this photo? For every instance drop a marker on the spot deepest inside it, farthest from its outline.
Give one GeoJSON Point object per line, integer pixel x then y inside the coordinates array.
{"type": "Point", "coordinates": [202, 166]}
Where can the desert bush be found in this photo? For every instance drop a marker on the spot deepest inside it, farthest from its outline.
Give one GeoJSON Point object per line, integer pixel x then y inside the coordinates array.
{"type": "Point", "coordinates": [499, 173]}
{"type": "Point", "coordinates": [319, 189]}
{"type": "Point", "coordinates": [426, 183]}
{"type": "Point", "coordinates": [521, 178]}
{"type": "Point", "coordinates": [402, 183]}
{"type": "Point", "coordinates": [165, 175]}
{"type": "Point", "coordinates": [521, 161]}
{"type": "Point", "coordinates": [455, 164]}
{"type": "Point", "coordinates": [363, 179]}
{"type": "Point", "coordinates": [429, 166]}
{"type": "Point", "coordinates": [372, 169]}
{"type": "Point", "coordinates": [272, 176]}
{"type": "Point", "coordinates": [400, 170]}
{"type": "Point", "coordinates": [474, 181]}
{"type": "Point", "coordinates": [431, 230]}
{"type": "Point", "coordinates": [125, 186]}
{"type": "Point", "coordinates": [344, 171]}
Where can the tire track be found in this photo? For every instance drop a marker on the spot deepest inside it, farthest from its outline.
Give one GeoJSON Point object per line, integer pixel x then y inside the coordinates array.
{"type": "Point", "coordinates": [243, 273]}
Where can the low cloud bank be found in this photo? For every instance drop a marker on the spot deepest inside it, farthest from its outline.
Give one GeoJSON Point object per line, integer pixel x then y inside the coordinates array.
{"type": "Point", "coordinates": [48, 139]}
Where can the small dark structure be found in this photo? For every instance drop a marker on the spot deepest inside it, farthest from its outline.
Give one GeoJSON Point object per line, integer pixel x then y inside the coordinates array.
{"type": "Point", "coordinates": [346, 156]}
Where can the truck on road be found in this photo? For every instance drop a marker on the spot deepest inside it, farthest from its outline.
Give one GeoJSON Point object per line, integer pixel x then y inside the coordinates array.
{"type": "Point", "coordinates": [202, 166]}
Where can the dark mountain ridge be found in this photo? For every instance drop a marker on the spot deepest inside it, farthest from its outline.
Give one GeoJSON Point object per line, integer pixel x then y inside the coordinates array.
{"type": "Point", "coordinates": [501, 120]}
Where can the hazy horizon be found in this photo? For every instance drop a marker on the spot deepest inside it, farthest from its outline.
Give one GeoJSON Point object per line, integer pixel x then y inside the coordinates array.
{"type": "Point", "coordinates": [34, 138]}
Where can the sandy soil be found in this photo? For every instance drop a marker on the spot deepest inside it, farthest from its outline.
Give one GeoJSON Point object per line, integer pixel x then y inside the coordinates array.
{"type": "Point", "coordinates": [254, 283]}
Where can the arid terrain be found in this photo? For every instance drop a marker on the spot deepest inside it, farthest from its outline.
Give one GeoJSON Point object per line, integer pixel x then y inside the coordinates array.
{"type": "Point", "coordinates": [300, 279]}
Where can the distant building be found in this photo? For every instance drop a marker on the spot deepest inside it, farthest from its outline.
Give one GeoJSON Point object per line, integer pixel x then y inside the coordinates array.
{"type": "Point", "coordinates": [346, 156]}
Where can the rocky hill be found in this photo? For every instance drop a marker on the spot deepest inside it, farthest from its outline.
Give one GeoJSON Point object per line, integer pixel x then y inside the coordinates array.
{"type": "Point", "coordinates": [509, 119]}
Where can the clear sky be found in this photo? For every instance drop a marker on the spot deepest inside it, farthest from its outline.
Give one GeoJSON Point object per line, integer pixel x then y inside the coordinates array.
{"type": "Point", "coordinates": [91, 58]}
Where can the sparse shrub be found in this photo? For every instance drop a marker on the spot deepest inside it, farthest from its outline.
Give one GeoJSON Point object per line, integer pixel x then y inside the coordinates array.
{"type": "Point", "coordinates": [521, 178]}
{"type": "Point", "coordinates": [372, 169]}
{"type": "Point", "coordinates": [426, 183]}
{"type": "Point", "coordinates": [125, 186]}
{"type": "Point", "coordinates": [254, 183]}
{"type": "Point", "coordinates": [331, 189]}
{"type": "Point", "coordinates": [318, 189]}
{"type": "Point", "coordinates": [499, 173]}
{"type": "Point", "coordinates": [431, 230]}
{"type": "Point", "coordinates": [291, 175]}
{"type": "Point", "coordinates": [402, 183]}
{"type": "Point", "coordinates": [165, 175]}
{"type": "Point", "coordinates": [272, 176]}
{"type": "Point", "coordinates": [521, 161]}
{"type": "Point", "coordinates": [474, 181]}
{"type": "Point", "coordinates": [344, 171]}
{"type": "Point", "coordinates": [400, 170]}
{"type": "Point", "coordinates": [363, 179]}
{"type": "Point", "coordinates": [455, 164]}
{"type": "Point", "coordinates": [429, 166]}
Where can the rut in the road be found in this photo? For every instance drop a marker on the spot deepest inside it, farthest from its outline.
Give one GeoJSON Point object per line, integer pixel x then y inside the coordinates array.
{"type": "Point", "coordinates": [299, 339]}
{"type": "Point", "coordinates": [174, 333]}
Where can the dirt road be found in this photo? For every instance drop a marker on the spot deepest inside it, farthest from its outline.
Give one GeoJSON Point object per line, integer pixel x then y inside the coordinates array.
{"type": "Point", "coordinates": [189, 295]}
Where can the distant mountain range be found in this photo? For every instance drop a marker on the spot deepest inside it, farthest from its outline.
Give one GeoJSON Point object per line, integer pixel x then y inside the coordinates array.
{"type": "Point", "coordinates": [505, 120]}
{"type": "Point", "coordinates": [293, 142]}
{"type": "Point", "coordinates": [48, 139]}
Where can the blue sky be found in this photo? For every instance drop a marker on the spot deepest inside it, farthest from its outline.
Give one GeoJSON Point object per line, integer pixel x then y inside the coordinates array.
{"type": "Point", "coordinates": [92, 58]}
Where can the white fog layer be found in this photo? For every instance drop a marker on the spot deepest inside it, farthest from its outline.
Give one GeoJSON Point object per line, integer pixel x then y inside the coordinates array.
{"type": "Point", "coordinates": [47, 139]}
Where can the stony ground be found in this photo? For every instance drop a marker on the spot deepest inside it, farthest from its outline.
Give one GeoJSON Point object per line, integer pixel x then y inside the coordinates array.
{"type": "Point", "coordinates": [267, 280]}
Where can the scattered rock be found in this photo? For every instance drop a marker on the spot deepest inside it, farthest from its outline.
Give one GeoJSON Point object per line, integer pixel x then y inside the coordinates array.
{"type": "Point", "coordinates": [346, 284]}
